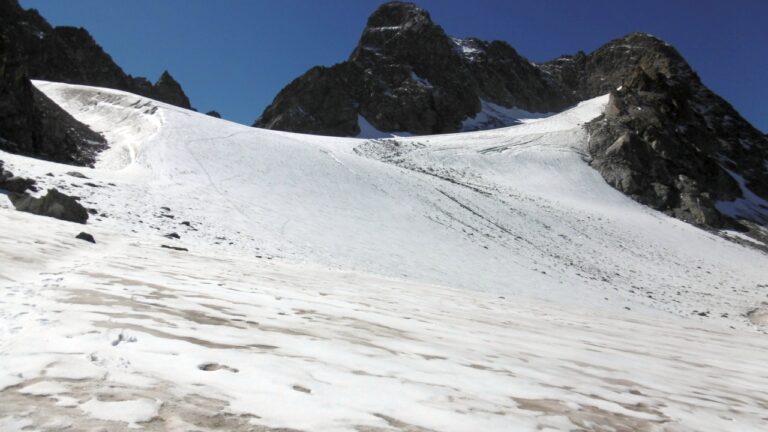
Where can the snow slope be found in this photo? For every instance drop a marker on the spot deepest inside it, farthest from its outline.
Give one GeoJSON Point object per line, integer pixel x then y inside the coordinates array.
{"type": "Point", "coordinates": [476, 281]}
{"type": "Point", "coordinates": [513, 211]}
{"type": "Point", "coordinates": [124, 334]}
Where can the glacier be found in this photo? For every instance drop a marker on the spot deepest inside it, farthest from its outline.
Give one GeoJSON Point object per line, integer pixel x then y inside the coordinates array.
{"type": "Point", "coordinates": [485, 280]}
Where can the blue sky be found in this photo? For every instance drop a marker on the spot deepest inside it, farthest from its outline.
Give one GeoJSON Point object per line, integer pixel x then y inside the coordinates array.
{"type": "Point", "coordinates": [235, 55]}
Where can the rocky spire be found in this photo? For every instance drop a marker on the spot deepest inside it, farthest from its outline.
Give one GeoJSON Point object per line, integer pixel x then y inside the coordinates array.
{"type": "Point", "coordinates": [168, 90]}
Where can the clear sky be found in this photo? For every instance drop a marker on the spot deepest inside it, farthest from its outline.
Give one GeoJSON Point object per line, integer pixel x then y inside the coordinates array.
{"type": "Point", "coordinates": [235, 55]}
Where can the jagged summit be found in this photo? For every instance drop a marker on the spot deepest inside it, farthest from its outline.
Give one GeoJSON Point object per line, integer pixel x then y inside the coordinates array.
{"type": "Point", "coordinates": [398, 16]}
{"type": "Point", "coordinates": [407, 75]}
{"type": "Point", "coordinates": [168, 90]}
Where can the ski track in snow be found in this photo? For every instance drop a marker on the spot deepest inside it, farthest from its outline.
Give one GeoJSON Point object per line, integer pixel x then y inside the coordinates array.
{"type": "Point", "coordinates": [315, 293]}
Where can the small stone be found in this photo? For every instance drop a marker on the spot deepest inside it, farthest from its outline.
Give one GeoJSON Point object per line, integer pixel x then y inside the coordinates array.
{"type": "Point", "coordinates": [85, 236]}
{"type": "Point", "coordinates": [175, 248]}
{"type": "Point", "coordinates": [76, 174]}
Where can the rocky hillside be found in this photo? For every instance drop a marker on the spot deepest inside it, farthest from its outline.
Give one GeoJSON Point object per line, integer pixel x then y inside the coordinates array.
{"type": "Point", "coordinates": [71, 55]}
{"type": "Point", "coordinates": [666, 140]}
{"type": "Point", "coordinates": [30, 123]}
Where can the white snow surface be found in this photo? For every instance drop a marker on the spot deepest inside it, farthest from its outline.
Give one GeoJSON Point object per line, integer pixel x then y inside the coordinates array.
{"type": "Point", "coordinates": [476, 281]}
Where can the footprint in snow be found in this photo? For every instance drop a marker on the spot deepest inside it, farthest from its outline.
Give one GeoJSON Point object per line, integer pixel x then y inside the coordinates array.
{"type": "Point", "coordinates": [210, 367]}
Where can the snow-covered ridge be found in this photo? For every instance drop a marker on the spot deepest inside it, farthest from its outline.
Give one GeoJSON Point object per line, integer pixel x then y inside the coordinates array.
{"type": "Point", "coordinates": [515, 211]}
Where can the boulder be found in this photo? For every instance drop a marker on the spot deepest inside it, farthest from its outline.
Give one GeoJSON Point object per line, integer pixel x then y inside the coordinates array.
{"type": "Point", "coordinates": [54, 204]}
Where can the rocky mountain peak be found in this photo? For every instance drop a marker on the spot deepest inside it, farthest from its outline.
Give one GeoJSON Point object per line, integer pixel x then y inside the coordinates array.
{"type": "Point", "coordinates": [168, 90]}
{"type": "Point", "coordinates": [398, 15]}
{"type": "Point", "coordinates": [404, 33]}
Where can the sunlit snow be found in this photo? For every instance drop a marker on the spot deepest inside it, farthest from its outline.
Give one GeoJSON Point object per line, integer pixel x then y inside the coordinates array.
{"type": "Point", "coordinates": [475, 281]}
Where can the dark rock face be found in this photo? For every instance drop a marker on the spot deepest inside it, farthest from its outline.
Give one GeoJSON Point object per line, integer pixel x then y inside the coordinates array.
{"type": "Point", "coordinates": [214, 113]}
{"type": "Point", "coordinates": [669, 142]}
{"type": "Point", "coordinates": [665, 140]}
{"type": "Point", "coordinates": [54, 204]}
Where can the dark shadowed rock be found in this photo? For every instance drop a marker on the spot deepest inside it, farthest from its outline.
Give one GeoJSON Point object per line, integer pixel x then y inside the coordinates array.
{"type": "Point", "coordinates": [214, 113]}
{"type": "Point", "coordinates": [54, 204]}
{"type": "Point", "coordinates": [168, 90]}
{"type": "Point", "coordinates": [86, 237]}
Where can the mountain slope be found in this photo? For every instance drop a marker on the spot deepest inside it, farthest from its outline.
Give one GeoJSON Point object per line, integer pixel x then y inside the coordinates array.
{"type": "Point", "coordinates": [514, 211]}
{"type": "Point", "coordinates": [306, 298]}
{"type": "Point", "coordinates": [680, 148]}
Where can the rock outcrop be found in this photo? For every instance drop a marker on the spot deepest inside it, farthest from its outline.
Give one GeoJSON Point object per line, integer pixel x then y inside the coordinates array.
{"type": "Point", "coordinates": [54, 204]}
{"type": "Point", "coordinates": [669, 142]}
{"type": "Point", "coordinates": [665, 140]}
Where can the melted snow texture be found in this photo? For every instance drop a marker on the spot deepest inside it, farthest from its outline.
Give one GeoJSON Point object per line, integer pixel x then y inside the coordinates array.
{"type": "Point", "coordinates": [124, 334]}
